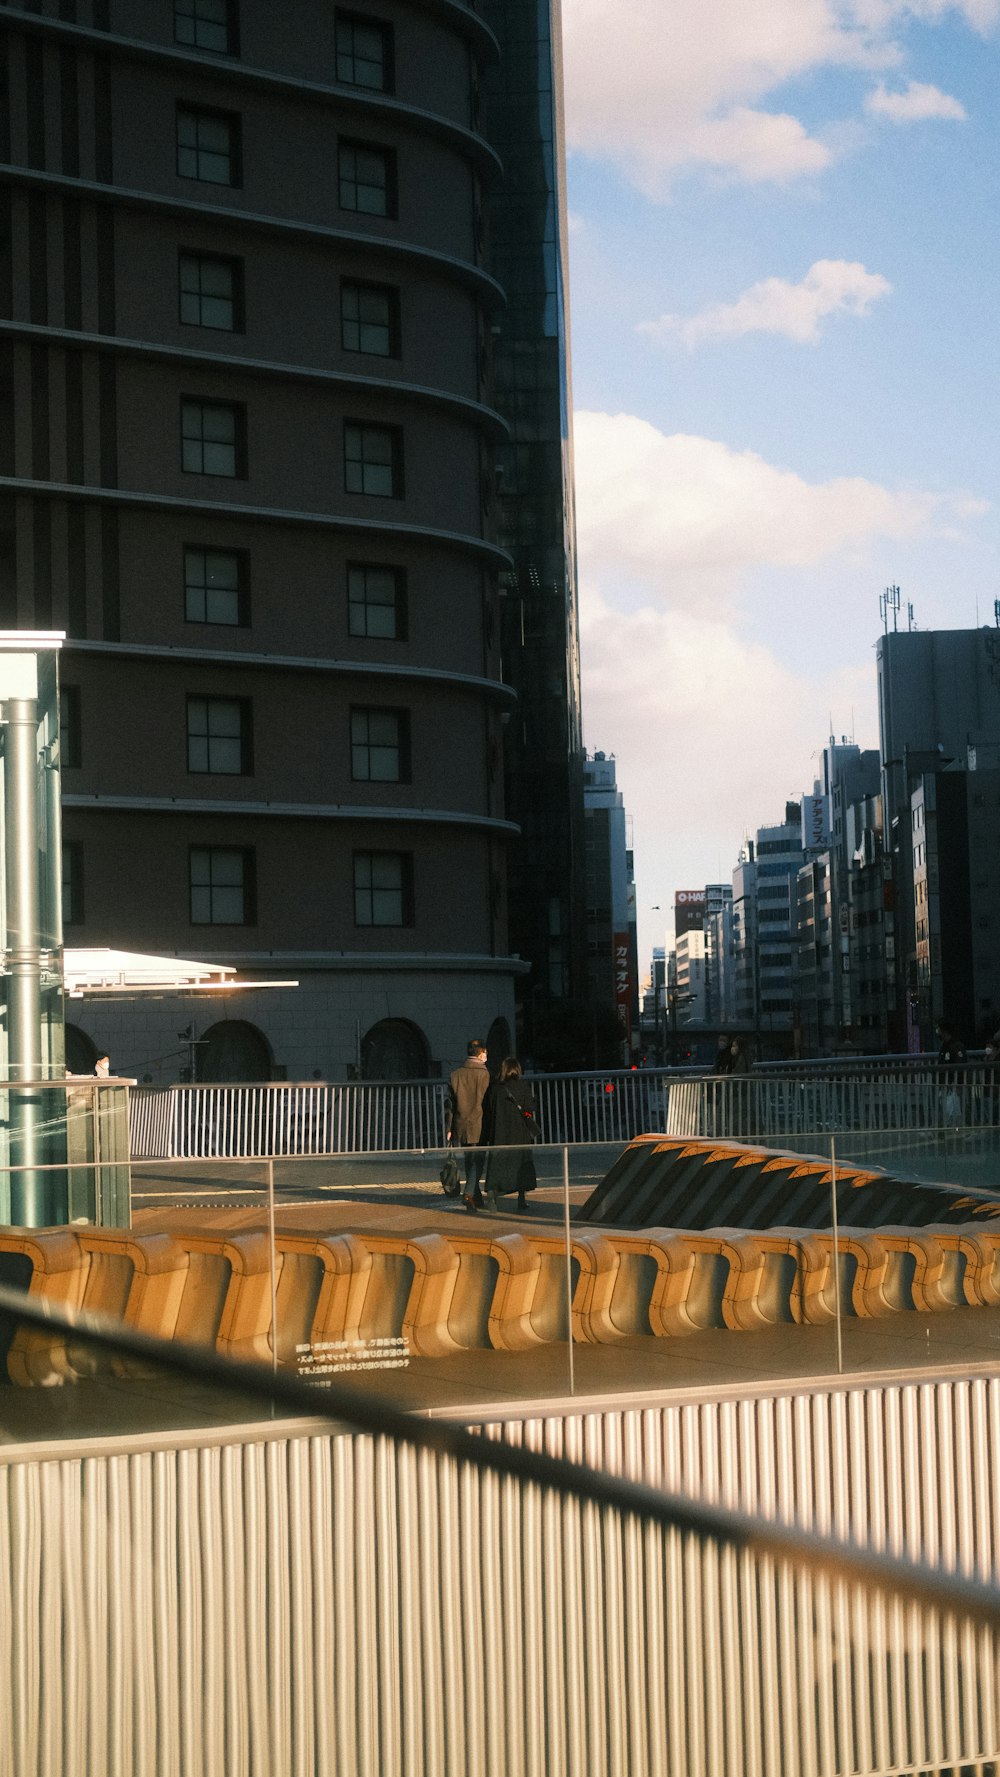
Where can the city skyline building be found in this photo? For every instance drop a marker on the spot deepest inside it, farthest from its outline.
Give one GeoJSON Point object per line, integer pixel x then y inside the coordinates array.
{"type": "Point", "coordinates": [610, 899]}
{"type": "Point", "coordinates": [270, 529]}
{"type": "Point", "coordinates": [764, 927]}
{"type": "Point", "coordinates": [939, 707]}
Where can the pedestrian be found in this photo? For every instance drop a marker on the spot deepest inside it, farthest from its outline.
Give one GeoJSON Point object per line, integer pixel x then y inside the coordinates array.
{"type": "Point", "coordinates": [951, 1054]}
{"type": "Point", "coordinates": [509, 1117]}
{"type": "Point", "coordinates": [991, 1077]}
{"type": "Point", "coordinates": [467, 1088]}
{"type": "Point", "coordinates": [739, 1059]}
{"type": "Point", "coordinates": [102, 1067]}
{"type": "Point", "coordinates": [723, 1055]}
{"type": "Point", "coordinates": [951, 1051]}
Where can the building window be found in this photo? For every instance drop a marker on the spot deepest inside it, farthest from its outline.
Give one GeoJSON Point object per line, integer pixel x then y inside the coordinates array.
{"type": "Point", "coordinates": [72, 882]}
{"type": "Point", "coordinates": [211, 292]}
{"type": "Point", "coordinates": [369, 319]}
{"type": "Point", "coordinates": [366, 178]}
{"type": "Point", "coordinates": [215, 586]}
{"type": "Point", "coordinates": [206, 24]}
{"type": "Point", "coordinates": [376, 602]}
{"type": "Point", "coordinates": [222, 885]}
{"type": "Point", "coordinates": [380, 746]}
{"type": "Point", "coordinates": [212, 438]}
{"type": "Point", "coordinates": [70, 746]}
{"type": "Point", "coordinates": [208, 146]}
{"type": "Point", "coordinates": [219, 735]}
{"type": "Point", "coordinates": [364, 52]}
{"type": "Point", "coordinates": [373, 460]}
{"type": "Point", "coordinates": [383, 888]}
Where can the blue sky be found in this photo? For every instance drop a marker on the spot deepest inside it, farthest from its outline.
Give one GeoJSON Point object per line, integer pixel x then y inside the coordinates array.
{"type": "Point", "coordinates": [784, 277]}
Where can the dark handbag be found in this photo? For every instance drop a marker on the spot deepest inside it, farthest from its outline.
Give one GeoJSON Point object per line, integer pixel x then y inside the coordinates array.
{"type": "Point", "coordinates": [451, 1177]}
{"type": "Point", "coordinates": [529, 1121]}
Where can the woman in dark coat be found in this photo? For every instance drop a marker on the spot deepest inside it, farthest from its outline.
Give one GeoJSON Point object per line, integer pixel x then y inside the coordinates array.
{"type": "Point", "coordinates": [509, 1123]}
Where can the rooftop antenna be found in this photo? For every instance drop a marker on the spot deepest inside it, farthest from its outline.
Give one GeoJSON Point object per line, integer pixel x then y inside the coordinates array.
{"type": "Point", "coordinates": [996, 612]}
{"type": "Point", "coordinates": [911, 626]}
{"type": "Point", "coordinates": [889, 600]}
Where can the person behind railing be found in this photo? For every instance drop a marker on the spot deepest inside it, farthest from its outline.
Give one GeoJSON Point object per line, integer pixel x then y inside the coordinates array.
{"type": "Point", "coordinates": [951, 1055]}
{"type": "Point", "coordinates": [509, 1130]}
{"type": "Point", "coordinates": [738, 1110]}
{"type": "Point", "coordinates": [723, 1063]}
{"type": "Point", "coordinates": [991, 1079]}
{"type": "Point", "coordinates": [467, 1087]}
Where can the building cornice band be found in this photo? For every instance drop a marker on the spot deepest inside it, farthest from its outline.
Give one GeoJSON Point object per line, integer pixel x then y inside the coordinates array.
{"type": "Point", "coordinates": [295, 663]}
{"type": "Point", "coordinates": [445, 264]}
{"type": "Point", "coordinates": [365, 527]}
{"type": "Point", "coordinates": [475, 411]}
{"type": "Point", "coordinates": [228, 657]}
{"type": "Point", "coordinates": [298, 811]}
{"type": "Point", "coordinates": [457, 12]}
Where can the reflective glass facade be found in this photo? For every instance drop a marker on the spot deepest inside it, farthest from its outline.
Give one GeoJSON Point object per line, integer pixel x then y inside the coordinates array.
{"type": "Point", "coordinates": [538, 604]}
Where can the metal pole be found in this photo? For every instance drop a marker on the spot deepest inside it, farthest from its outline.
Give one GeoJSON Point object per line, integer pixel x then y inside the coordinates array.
{"type": "Point", "coordinates": [35, 1199]}
{"type": "Point", "coordinates": [274, 1265]}
{"type": "Point", "coordinates": [569, 1268]}
{"type": "Point", "coordinates": [836, 1251]}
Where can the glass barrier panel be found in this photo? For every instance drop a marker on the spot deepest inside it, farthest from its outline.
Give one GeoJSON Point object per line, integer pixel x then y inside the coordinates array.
{"type": "Point", "coordinates": [390, 1268]}
{"type": "Point", "coordinates": [184, 1264]}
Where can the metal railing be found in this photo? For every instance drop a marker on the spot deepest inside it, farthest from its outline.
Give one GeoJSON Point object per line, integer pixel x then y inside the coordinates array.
{"type": "Point", "coordinates": [358, 1589]}
{"type": "Point", "coordinates": [315, 1118]}
{"type": "Point", "coordinates": [312, 1118]}
{"type": "Point", "coordinates": [777, 1105]}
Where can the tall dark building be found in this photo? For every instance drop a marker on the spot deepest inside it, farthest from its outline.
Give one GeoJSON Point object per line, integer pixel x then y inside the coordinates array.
{"type": "Point", "coordinates": [247, 303]}
{"type": "Point", "coordinates": [939, 710]}
{"type": "Point", "coordinates": [538, 602]}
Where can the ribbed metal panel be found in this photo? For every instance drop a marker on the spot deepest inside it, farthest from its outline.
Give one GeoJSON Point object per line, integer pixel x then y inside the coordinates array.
{"type": "Point", "coordinates": [311, 1605]}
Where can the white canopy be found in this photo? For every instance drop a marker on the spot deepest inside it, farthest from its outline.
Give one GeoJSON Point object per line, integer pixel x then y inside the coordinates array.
{"type": "Point", "coordinates": [93, 972]}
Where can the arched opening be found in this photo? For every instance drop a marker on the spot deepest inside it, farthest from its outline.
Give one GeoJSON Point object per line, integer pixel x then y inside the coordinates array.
{"type": "Point", "coordinates": [233, 1051]}
{"type": "Point", "coordinates": [499, 1044]}
{"type": "Point", "coordinates": [395, 1049]}
{"type": "Point", "coordinates": [81, 1051]}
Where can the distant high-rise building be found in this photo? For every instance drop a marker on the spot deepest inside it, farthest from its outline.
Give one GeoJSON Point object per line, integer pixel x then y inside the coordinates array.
{"type": "Point", "coordinates": [610, 898]}
{"type": "Point", "coordinates": [822, 981]}
{"type": "Point", "coordinates": [939, 707]}
{"type": "Point", "coordinates": [717, 926]}
{"type": "Point", "coordinates": [764, 928]}
{"type": "Point", "coordinates": [956, 901]}
{"type": "Point", "coordinates": [871, 925]}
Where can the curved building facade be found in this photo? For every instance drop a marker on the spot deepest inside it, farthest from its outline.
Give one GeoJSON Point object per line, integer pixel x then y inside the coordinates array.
{"type": "Point", "coordinates": [248, 442]}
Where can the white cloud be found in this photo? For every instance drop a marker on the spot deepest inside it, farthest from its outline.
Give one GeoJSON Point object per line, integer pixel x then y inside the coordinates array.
{"type": "Point", "coordinates": [711, 733]}
{"type": "Point", "coordinates": [690, 517]}
{"type": "Point", "coordinates": [830, 287]}
{"type": "Point", "coordinates": [677, 85]}
{"type": "Point", "coordinates": [712, 727]}
{"type": "Point", "coordinates": [916, 103]}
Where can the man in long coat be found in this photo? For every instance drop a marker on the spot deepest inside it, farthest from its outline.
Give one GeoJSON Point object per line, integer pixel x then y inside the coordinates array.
{"type": "Point", "coordinates": [464, 1116]}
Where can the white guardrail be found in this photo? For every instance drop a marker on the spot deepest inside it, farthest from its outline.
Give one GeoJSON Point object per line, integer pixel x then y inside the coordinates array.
{"type": "Point", "coordinates": [248, 1122]}
{"type": "Point", "coordinates": [759, 1108]}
